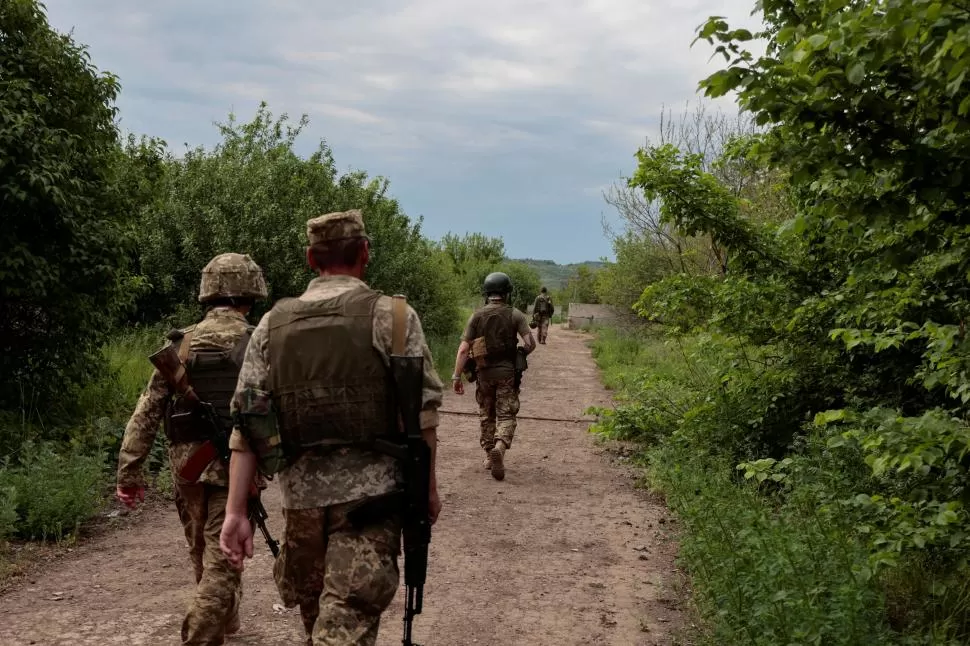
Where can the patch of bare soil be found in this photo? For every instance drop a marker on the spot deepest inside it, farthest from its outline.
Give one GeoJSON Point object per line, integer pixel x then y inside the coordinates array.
{"type": "Point", "coordinates": [564, 551]}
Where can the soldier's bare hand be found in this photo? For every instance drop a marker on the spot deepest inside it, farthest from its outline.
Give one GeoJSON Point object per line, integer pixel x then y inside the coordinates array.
{"type": "Point", "coordinates": [236, 539]}
{"type": "Point", "coordinates": [130, 496]}
{"type": "Point", "coordinates": [434, 504]}
{"type": "Point", "coordinates": [459, 387]}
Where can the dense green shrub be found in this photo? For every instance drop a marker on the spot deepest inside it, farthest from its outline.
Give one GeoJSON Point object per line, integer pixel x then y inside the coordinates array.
{"type": "Point", "coordinates": [252, 193]}
{"type": "Point", "coordinates": [62, 270]}
{"type": "Point", "coordinates": [52, 490]}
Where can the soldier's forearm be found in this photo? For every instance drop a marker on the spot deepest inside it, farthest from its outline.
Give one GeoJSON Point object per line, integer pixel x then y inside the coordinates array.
{"type": "Point", "coordinates": [242, 470]}
{"type": "Point", "coordinates": [461, 358]}
{"type": "Point", "coordinates": [430, 435]}
{"type": "Point", "coordinates": [529, 343]}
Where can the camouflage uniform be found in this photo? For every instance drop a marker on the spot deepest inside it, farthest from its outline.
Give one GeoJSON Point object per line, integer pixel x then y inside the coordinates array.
{"type": "Point", "coordinates": [214, 610]}
{"type": "Point", "coordinates": [496, 392]}
{"type": "Point", "coordinates": [543, 319]}
{"type": "Point", "coordinates": [341, 576]}
{"type": "Point", "coordinates": [201, 505]}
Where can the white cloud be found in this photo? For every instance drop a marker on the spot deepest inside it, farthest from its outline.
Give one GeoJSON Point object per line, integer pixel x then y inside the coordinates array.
{"type": "Point", "coordinates": [428, 90]}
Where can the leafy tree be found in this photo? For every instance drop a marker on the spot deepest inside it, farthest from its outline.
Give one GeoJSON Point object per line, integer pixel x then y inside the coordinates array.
{"type": "Point", "coordinates": [472, 257]}
{"type": "Point", "coordinates": [253, 194]}
{"type": "Point", "coordinates": [842, 332]}
{"type": "Point", "coordinates": [62, 268]}
{"type": "Point", "coordinates": [581, 287]}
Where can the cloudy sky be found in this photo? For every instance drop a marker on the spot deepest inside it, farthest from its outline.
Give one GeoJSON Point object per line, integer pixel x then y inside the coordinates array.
{"type": "Point", "coordinates": [507, 117]}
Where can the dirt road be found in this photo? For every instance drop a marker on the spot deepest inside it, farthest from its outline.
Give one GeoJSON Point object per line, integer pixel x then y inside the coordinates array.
{"type": "Point", "coordinates": [563, 551]}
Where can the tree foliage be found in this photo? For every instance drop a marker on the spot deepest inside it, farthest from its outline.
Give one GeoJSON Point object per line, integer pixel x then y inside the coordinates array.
{"type": "Point", "coordinates": [252, 193]}
{"type": "Point", "coordinates": [841, 332]}
{"type": "Point", "coordinates": [472, 257]}
{"type": "Point", "coordinates": [62, 270]}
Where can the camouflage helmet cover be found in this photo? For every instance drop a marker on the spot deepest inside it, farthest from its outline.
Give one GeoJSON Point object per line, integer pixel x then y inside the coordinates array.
{"type": "Point", "coordinates": [232, 275]}
{"type": "Point", "coordinates": [497, 282]}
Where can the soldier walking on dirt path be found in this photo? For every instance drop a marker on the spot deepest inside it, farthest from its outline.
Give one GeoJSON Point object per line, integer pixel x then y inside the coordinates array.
{"type": "Point", "coordinates": [491, 341]}
{"type": "Point", "coordinates": [542, 311]}
{"type": "Point", "coordinates": [312, 399]}
{"type": "Point", "coordinates": [212, 352]}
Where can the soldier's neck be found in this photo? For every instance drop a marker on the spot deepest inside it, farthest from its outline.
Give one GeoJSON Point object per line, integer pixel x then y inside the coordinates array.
{"type": "Point", "coordinates": [354, 272]}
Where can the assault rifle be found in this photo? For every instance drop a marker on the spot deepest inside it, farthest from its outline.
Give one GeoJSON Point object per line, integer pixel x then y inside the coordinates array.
{"type": "Point", "coordinates": [415, 455]}
{"type": "Point", "coordinates": [216, 446]}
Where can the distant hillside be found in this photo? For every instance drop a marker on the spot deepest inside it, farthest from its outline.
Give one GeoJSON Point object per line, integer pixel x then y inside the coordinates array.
{"type": "Point", "coordinates": [554, 275]}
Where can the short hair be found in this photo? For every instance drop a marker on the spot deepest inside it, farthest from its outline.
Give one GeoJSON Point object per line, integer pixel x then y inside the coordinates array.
{"type": "Point", "coordinates": [337, 253]}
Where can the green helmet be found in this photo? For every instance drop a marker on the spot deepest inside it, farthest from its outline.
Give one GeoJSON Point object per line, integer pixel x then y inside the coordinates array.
{"type": "Point", "coordinates": [232, 275]}
{"type": "Point", "coordinates": [497, 283]}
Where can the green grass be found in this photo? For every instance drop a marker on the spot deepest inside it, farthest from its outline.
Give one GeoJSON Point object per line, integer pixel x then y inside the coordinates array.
{"type": "Point", "coordinates": [771, 563]}
{"type": "Point", "coordinates": [60, 476]}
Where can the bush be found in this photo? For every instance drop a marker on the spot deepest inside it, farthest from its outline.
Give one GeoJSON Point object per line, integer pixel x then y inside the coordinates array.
{"type": "Point", "coordinates": [62, 268]}
{"type": "Point", "coordinates": [52, 490]}
{"type": "Point", "coordinates": [252, 193]}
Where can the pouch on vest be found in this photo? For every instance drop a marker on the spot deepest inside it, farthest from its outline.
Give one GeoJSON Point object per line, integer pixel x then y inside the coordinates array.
{"type": "Point", "coordinates": [257, 421]}
{"type": "Point", "coordinates": [495, 337]}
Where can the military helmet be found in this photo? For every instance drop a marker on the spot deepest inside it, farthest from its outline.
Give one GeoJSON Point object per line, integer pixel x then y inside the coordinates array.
{"type": "Point", "coordinates": [497, 283]}
{"type": "Point", "coordinates": [543, 290]}
{"type": "Point", "coordinates": [232, 275]}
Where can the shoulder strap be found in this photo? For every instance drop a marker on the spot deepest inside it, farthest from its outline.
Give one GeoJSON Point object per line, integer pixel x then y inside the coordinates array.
{"type": "Point", "coordinates": [184, 344]}
{"type": "Point", "coordinates": [399, 324]}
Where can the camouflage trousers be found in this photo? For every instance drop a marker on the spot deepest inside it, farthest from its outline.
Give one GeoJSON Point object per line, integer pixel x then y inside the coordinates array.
{"type": "Point", "coordinates": [218, 591]}
{"type": "Point", "coordinates": [543, 329]}
{"type": "Point", "coordinates": [498, 404]}
{"type": "Point", "coordinates": [342, 576]}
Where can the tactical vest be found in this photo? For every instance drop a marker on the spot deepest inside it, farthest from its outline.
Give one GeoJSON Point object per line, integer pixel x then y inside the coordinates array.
{"type": "Point", "coordinates": [496, 326]}
{"type": "Point", "coordinates": [542, 305]}
{"type": "Point", "coordinates": [213, 375]}
{"type": "Point", "coordinates": [330, 386]}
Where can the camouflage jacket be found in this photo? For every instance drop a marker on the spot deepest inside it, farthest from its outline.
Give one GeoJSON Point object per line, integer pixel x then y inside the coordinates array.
{"type": "Point", "coordinates": [220, 330]}
{"type": "Point", "coordinates": [349, 473]}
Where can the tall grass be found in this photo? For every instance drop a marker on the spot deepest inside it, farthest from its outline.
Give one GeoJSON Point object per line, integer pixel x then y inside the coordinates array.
{"type": "Point", "coordinates": [774, 558]}
{"type": "Point", "coordinates": [59, 476]}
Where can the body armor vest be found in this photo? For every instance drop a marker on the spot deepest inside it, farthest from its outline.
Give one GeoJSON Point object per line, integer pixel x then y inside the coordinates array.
{"type": "Point", "coordinates": [213, 375]}
{"type": "Point", "coordinates": [496, 325]}
{"type": "Point", "coordinates": [542, 306]}
{"type": "Point", "coordinates": [330, 386]}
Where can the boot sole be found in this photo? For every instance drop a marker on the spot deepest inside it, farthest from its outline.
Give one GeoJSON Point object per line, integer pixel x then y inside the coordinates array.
{"type": "Point", "coordinates": [498, 465]}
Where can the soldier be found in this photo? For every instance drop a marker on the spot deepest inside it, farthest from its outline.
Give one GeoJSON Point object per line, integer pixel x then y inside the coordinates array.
{"type": "Point", "coordinates": [542, 311]}
{"type": "Point", "coordinates": [212, 352]}
{"type": "Point", "coordinates": [313, 394]}
{"type": "Point", "coordinates": [490, 339]}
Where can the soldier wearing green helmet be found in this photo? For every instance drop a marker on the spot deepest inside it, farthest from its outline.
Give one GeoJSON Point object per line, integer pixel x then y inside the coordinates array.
{"type": "Point", "coordinates": [490, 341]}
{"type": "Point", "coordinates": [212, 352]}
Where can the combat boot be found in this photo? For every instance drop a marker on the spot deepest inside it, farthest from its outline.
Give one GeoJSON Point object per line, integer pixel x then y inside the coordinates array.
{"type": "Point", "coordinates": [497, 455]}
{"type": "Point", "coordinates": [488, 461]}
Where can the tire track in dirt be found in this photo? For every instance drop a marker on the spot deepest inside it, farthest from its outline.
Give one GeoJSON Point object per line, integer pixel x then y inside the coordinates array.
{"type": "Point", "coordinates": [563, 551]}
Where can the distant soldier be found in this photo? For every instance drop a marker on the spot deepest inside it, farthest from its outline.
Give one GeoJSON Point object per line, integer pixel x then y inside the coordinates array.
{"type": "Point", "coordinates": [313, 400]}
{"type": "Point", "coordinates": [491, 340]}
{"type": "Point", "coordinates": [542, 311]}
{"type": "Point", "coordinates": [212, 352]}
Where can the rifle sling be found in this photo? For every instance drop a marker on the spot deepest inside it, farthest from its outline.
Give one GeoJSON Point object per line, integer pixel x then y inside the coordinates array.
{"type": "Point", "coordinates": [184, 344]}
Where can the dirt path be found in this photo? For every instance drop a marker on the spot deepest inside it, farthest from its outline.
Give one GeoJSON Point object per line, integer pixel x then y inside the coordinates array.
{"type": "Point", "coordinates": [564, 551]}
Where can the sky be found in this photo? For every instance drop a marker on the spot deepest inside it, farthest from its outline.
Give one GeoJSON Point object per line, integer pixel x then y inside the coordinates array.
{"type": "Point", "coordinates": [505, 117]}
